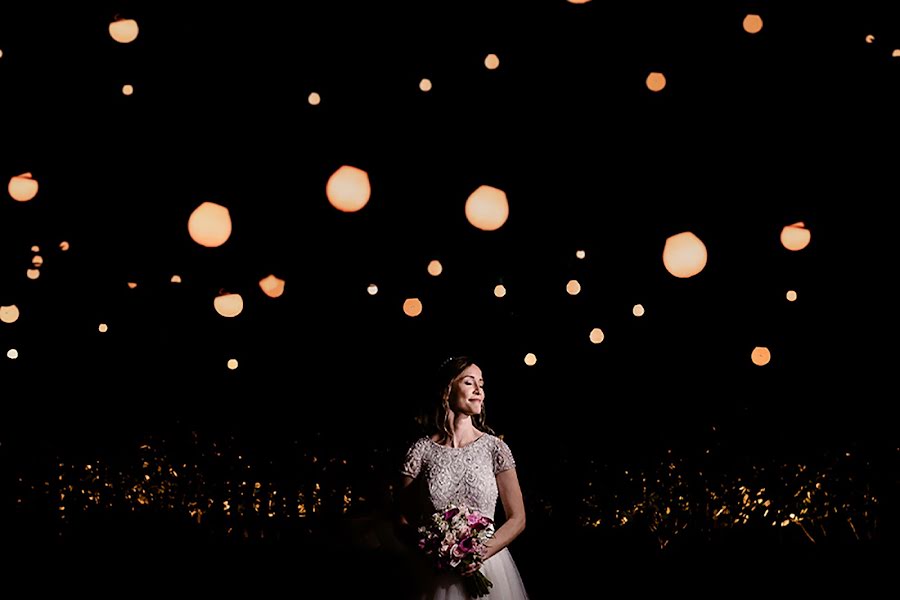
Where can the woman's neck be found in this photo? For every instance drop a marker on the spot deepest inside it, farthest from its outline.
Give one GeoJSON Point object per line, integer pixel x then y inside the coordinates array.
{"type": "Point", "coordinates": [463, 431]}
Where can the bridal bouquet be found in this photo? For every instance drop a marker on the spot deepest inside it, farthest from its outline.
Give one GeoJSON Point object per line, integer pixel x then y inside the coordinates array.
{"type": "Point", "coordinates": [454, 539]}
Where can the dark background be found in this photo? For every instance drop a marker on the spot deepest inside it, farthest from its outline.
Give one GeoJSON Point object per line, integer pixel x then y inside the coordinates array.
{"type": "Point", "coordinates": [751, 133]}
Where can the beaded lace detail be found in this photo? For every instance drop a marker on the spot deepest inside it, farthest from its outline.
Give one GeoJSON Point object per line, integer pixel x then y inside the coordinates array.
{"type": "Point", "coordinates": [463, 475]}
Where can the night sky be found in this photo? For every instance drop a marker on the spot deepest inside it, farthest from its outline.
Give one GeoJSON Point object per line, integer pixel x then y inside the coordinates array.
{"type": "Point", "coordinates": [752, 132]}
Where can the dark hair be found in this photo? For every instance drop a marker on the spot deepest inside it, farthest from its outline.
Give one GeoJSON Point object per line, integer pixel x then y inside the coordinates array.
{"type": "Point", "coordinates": [447, 373]}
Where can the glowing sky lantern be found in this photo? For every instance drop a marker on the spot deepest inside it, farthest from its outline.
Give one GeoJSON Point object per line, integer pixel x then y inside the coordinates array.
{"type": "Point", "coordinates": [123, 31]}
{"type": "Point", "coordinates": [530, 359]}
{"type": "Point", "coordinates": [37, 260]}
{"type": "Point", "coordinates": [132, 285]}
{"type": "Point", "coordinates": [229, 305]}
{"type": "Point", "coordinates": [579, 254]}
{"type": "Point", "coordinates": [210, 225]}
{"type": "Point", "coordinates": [638, 310]}
{"type": "Point", "coordinates": [491, 61]}
{"type": "Point", "coordinates": [127, 89]}
{"type": "Point", "coordinates": [412, 307]}
{"type": "Point", "coordinates": [791, 295]}
{"type": "Point", "coordinates": [425, 85]}
{"type": "Point", "coordinates": [314, 99]}
{"type": "Point", "coordinates": [579, 1]}
{"type": "Point", "coordinates": [487, 208]}
{"type": "Point", "coordinates": [795, 237]}
{"type": "Point", "coordinates": [895, 53]}
{"type": "Point", "coordinates": [23, 187]}
{"type": "Point", "coordinates": [656, 81]}
{"type": "Point", "coordinates": [348, 189]}
{"type": "Point", "coordinates": [64, 246]}
{"type": "Point", "coordinates": [435, 268]}
{"type": "Point", "coordinates": [9, 314]}
{"type": "Point", "coordinates": [12, 354]}
{"type": "Point", "coordinates": [573, 287]}
{"type": "Point", "coordinates": [753, 23]}
{"type": "Point", "coordinates": [176, 279]}
{"type": "Point", "coordinates": [232, 363]}
{"type": "Point", "coordinates": [272, 286]}
{"type": "Point", "coordinates": [102, 328]}
{"type": "Point", "coordinates": [1, 53]}
{"type": "Point", "coordinates": [372, 289]}
{"type": "Point", "coordinates": [597, 335]}
{"type": "Point", "coordinates": [500, 290]}
{"type": "Point", "coordinates": [32, 273]}
{"type": "Point", "coordinates": [760, 356]}
{"type": "Point", "coordinates": [684, 255]}
{"type": "Point", "coordinates": [35, 249]}
{"type": "Point", "coordinates": [870, 38]}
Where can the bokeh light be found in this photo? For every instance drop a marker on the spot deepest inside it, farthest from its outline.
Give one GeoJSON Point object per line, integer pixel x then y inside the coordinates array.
{"type": "Point", "coordinates": [314, 99]}
{"type": "Point", "coordinates": [132, 285]}
{"type": "Point", "coordinates": [487, 208]}
{"type": "Point", "coordinates": [530, 359]}
{"type": "Point", "coordinates": [103, 328]}
{"type": "Point", "coordinates": [23, 187]}
{"type": "Point", "coordinates": [425, 85]}
{"type": "Point", "coordinates": [32, 273]}
{"type": "Point", "coordinates": [491, 61]}
{"type": "Point", "coordinates": [127, 89]}
{"type": "Point", "coordinates": [229, 305]}
{"type": "Point", "coordinates": [372, 289]}
{"type": "Point", "coordinates": [412, 307]}
{"type": "Point", "coordinates": [760, 356]}
{"type": "Point", "coordinates": [597, 335]}
{"type": "Point", "coordinates": [638, 310]}
{"type": "Point", "coordinates": [272, 286]}
{"type": "Point", "coordinates": [684, 255]}
{"type": "Point", "coordinates": [37, 260]}
{"type": "Point", "coordinates": [573, 287]}
{"type": "Point", "coordinates": [795, 237]}
{"type": "Point", "coordinates": [64, 246]}
{"type": "Point", "coordinates": [12, 353]}
{"type": "Point", "coordinates": [500, 290]}
{"type": "Point", "coordinates": [233, 364]}
{"type": "Point", "coordinates": [895, 53]}
{"type": "Point", "coordinates": [9, 314]}
{"type": "Point", "coordinates": [123, 31]}
{"type": "Point", "coordinates": [579, 254]}
{"type": "Point", "coordinates": [656, 82]}
{"type": "Point", "coordinates": [435, 268]}
{"type": "Point", "coordinates": [176, 279]}
{"type": "Point", "coordinates": [791, 295]}
{"type": "Point", "coordinates": [753, 24]}
{"type": "Point", "coordinates": [35, 249]}
{"type": "Point", "coordinates": [870, 38]}
{"type": "Point", "coordinates": [210, 225]}
{"type": "Point", "coordinates": [348, 189]}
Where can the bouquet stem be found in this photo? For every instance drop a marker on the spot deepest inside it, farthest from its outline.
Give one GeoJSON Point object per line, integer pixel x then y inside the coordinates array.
{"type": "Point", "coordinates": [477, 584]}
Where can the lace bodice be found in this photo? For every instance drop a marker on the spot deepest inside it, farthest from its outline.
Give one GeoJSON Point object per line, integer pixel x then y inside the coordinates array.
{"type": "Point", "coordinates": [463, 475]}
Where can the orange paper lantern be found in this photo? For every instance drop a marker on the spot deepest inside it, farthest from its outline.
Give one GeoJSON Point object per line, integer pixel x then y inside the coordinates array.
{"type": "Point", "coordinates": [210, 225]}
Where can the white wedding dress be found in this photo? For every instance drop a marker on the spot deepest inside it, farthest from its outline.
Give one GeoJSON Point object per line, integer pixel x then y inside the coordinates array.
{"type": "Point", "coordinates": [465, 475]}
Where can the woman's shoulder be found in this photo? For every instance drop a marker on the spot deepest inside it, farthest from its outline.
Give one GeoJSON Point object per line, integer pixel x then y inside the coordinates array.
{"type": "Point", "coordinates": [421, 442]}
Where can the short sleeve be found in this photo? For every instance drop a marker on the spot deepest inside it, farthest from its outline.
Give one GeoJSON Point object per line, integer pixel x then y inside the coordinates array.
{"type": "Point", "coordinates": [503, 458]}
{"type": "Point", "coordinates": [412, 464]}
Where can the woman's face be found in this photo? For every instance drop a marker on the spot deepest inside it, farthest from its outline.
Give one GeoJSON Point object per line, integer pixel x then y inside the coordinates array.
{"type": "Point", "coordinates": [467, 392]}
